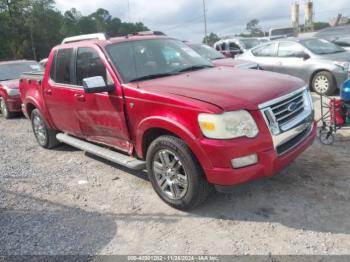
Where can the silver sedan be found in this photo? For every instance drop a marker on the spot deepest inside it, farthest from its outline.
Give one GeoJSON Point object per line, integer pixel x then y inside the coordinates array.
{"type": "Point", "coordinates": [320, 63]}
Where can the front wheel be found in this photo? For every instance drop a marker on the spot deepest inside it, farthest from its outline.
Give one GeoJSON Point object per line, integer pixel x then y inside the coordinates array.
{"type": "Point", "coordinates": [175, 174]}
{"type": "Point", "coordinates": [324, 83]}
{"type": "Point", "coordinates": [4, 109]}
{"type": "Point", "coordinates": [45, 136]}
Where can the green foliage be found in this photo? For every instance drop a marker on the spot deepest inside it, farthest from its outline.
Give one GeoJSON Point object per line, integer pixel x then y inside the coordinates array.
{"type": "Point", "coordinates": [211, 39]}
{"type": "Point", "coordinates": [254, 29]}
{"type": "Point", "coordinates": [30, 28]}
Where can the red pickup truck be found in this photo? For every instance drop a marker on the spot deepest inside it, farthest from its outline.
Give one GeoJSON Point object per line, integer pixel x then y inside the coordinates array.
{"type": "Point", "coordinates": [148, 101]}
{"type": "Point", "coordinates": [10, 72]}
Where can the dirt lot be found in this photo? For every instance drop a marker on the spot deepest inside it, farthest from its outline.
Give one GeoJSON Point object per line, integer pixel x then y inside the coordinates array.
{"type": "Point", "coordinates": [66, 202]}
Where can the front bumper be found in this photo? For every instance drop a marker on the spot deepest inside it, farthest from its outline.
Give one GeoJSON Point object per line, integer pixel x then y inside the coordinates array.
{"type": "Point", "coordinates": [14, 104]}
{"type": "Point", "coordinates": [269, 162]}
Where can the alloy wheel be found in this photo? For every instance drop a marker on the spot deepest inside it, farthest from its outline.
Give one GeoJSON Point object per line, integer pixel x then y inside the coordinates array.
{"type": "Point", "coordinates": [170, 174]}
{"type": "Point", "coordinates": [3, 107]}
{"type": "Point", "coordinates": [321, 84]}
{"type": "Point", "coordinates": [40, 130]}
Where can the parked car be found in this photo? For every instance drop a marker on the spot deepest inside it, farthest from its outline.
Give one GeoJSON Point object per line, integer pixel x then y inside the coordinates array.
{"type": "Point", "coordinates": [320, 63]}
{"type": "Point", "coordinates": [230, 47]}
{"type": "Point", "coordinates": [219, 59]}
{"type": "Point", "coordinates": [339, 35]}
{"type": "Point", "coordinates": [10, 72]}
{"type": "Point", "coordinates": [147, 101]}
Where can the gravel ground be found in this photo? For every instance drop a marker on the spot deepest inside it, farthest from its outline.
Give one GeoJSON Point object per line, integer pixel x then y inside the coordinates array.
{"type": "Point", "coordinates": [64, 201]}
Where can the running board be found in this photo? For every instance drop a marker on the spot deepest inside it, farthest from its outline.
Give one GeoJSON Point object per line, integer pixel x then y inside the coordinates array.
{"type": "Point", "coordinates": [115, 157]}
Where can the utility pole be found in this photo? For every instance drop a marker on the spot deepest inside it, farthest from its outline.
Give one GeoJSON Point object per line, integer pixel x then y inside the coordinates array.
{"type": "Point", "coordinates": [129, 20]}
{"type": "Point", "coordinates": [205, 23]}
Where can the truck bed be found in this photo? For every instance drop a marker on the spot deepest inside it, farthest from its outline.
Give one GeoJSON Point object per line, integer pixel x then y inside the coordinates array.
{"type": "Point", "coordinates": [35, 75]}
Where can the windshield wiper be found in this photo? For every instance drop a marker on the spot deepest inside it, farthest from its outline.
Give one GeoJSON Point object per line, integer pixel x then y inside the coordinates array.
{"type": "Point", "coordinates": [195, 67]}
{"type": "Point", "coordinates": [5, 79]}
{"type": "Point", "coordinates": [153, 76]}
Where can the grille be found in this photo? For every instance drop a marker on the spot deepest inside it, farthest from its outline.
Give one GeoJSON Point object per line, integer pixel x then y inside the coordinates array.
{"type": "Point", "coordinates": [281, 149]}
{"type": "Point", "coordinates": [288, 109]}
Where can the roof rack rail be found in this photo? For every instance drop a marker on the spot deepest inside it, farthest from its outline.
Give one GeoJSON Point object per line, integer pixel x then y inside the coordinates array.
{"type": "Point", "coordinates": [98, 36]}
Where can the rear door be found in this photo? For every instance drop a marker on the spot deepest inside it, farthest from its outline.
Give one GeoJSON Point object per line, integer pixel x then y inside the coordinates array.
{"type": "Point", "coordinates": [101, 115]}
{"type": "Point", "coordinates": [265, 56]}
{"type": "Point", "coordinates": [60, 92]}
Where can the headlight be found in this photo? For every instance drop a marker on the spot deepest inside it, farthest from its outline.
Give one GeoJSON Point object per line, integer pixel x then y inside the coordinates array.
{"type": "Point", "coordinates": [308, 103]}
{"type": "Point", "coordinates": [343, 65]}
{"type": "Point", "coordinates": [228, 125]}
{"type": "Point", "coordinates": [12, 91]}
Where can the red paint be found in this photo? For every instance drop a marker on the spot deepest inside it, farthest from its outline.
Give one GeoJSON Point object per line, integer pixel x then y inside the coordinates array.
{"type": "Point", "coordinates": [13, 102]}
{"type": "Point", "coordinates": [122, 118]}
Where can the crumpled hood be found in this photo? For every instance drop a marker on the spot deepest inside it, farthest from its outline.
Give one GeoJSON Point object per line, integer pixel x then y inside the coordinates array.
{"type": "Point", "coordinates": [225, 87]}
{"type": "Point", "coordinates": [13, 84]}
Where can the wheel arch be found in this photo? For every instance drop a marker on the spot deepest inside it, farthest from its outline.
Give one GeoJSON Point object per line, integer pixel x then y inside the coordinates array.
{"type": "Point", "coordinates": [152, 128]}
{"type": "Point", "coordinates": [312, 76]}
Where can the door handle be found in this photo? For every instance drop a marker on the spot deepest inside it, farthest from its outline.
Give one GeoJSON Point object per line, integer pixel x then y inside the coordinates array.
{"type": "Point", "coordinates": [48, 92]}
{"type": "Point", "coordinates": [80, 97]}
{"type": "Point", "coordinates": [279, 63]}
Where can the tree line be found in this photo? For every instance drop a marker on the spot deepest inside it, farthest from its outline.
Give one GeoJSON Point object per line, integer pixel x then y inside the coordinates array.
{"type": "Point", "coordinates": [30, 28]}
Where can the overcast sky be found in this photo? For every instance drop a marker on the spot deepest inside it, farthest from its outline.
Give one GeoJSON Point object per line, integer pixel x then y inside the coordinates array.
{"type": "Point", "coordinates": [184, 18]}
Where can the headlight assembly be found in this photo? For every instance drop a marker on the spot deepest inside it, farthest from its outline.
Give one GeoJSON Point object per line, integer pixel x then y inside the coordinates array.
{"type": "Point", "coordinates": [228, 125]}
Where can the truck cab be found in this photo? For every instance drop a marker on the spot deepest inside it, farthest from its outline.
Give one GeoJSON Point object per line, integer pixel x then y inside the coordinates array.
{"type": "Point", "coordinates": [146, 101]}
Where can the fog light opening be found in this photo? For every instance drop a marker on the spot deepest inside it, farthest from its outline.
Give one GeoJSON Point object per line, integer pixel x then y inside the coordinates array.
{"type": "Point", "coordinates": [244, 161]}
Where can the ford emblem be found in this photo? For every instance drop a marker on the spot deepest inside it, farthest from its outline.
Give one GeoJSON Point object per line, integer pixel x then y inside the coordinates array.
{"type": "Point", "coordinates": [292, 107]}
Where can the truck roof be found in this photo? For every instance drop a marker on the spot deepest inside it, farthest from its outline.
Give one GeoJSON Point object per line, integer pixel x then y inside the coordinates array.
{"type": "Point", "coordinates": [112, 40]}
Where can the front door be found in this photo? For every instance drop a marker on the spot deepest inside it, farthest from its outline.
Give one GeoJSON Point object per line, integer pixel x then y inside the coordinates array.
{"type": "Point", "coordinates": [291, 59]}
{"type": "Point", "coordinates": [101, 115]}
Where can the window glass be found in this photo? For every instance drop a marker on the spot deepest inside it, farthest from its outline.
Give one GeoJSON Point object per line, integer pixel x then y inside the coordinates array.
{"type": "Point", "coordinates": [154, 58]}
{"type": "Point", "coordinates": [286, 49]}
{"type": "Point", "coordinates": [234, 46]}
{"type": "Point", "coordinates": [89, 64]}
{"type": "Point", "coordinates": [14, 70]}
{"type": "Point", "coordinates": [266, 50]}
{"type": "Point", "coordinates": [53, 68]}
{"type": "Point", "coordinates": [207, 52]}
{"type": "Point", "coordinates": [64, 66]}
{"type": "Point", "coordinates": [321, 46]}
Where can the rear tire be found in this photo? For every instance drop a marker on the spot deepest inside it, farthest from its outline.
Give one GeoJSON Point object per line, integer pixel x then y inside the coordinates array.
{"type": "Point", "coordinates": [175, 173]}
{"type": "Point", "coordinates": [45, 136]}
{"type": "Point", "coordinates": [4, 109]}
{"type": "Point", "coordinates": [324, 83]}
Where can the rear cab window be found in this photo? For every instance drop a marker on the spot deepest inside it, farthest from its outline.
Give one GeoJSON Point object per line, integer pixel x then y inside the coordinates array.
{"type": "Point", "coordinates": [63, 66]}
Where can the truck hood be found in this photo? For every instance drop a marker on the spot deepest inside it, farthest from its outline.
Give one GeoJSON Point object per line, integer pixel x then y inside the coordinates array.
{"type": "Point", "coordinates": [12, 84]}
{"type": "Point", "coordinates": [225, 87]}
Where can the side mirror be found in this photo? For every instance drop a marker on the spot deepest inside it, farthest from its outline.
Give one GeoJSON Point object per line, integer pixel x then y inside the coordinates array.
{"type": "Point", "coordinates": [305, 56]}
{"type": "Point", "coordinates": [96, 84]}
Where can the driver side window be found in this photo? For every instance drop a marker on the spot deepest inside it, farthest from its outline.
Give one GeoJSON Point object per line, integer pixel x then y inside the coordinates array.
{"type": "Point", "coordinates": [89, 64]}
{"type": "Point", "coordinates": [287, 49]}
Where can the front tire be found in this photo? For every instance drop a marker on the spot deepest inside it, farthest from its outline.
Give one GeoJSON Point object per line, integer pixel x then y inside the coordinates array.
{"type": "Point", "coordinates": [175, 174]}
{"type": "Point", "coordinates": [324, 83]}
{"type": "Point", "coordinates": [45, 136]}
{"type": "Point", "coordinates": [4, 109]}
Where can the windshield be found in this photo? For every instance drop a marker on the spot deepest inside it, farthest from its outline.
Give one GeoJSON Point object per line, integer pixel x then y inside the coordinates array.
{"type": "Point", "coordinates": [250, 43]}
{"type": "Point", "coordinates": [321, 46]}
{"type": "Point", "coordinates": [147, 59]}
{"type": "Point", "coordinates": [207, 52]}
{"type": "Point", "coordinates": [10, 71]}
